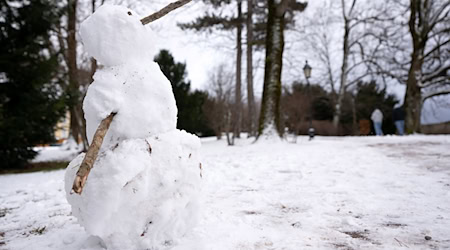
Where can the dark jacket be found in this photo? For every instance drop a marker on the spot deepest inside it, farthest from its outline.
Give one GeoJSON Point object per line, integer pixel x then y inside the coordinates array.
{"type": "Point", "coordinates": [398, 114]}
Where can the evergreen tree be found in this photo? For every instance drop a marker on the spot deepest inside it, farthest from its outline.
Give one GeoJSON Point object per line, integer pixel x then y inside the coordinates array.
{"type": "Point", "coordinates": [299, 101]}
{"type": "Point", "coordinates": [176, 73]}
{"type": "Point", "coordinates": [30, 100]}
{"type": "Point", "coordinates": [198, 120]}
{"type": "Point", "coordinates": [322, 108]}
{"type": "Point", "coordinates": [190, 113]}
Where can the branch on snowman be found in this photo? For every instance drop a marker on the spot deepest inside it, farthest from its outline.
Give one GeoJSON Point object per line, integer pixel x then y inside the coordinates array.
{"type": "Point", "coordinates": [91, 155]}
{"type": "Point", "coordinates": [164, 11]}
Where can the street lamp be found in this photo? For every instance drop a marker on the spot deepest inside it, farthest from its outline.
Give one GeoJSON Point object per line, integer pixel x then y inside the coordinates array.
{"type": "Point", "coordinates": [307, 71]}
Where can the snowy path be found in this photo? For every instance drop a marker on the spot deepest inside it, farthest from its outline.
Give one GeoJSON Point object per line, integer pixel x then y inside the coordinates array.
{"type": "Point", "coordinates": [330, 193]}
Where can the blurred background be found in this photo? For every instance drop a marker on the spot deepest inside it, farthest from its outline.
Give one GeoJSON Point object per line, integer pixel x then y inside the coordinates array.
{"type": "Point", "coordinates": [339, 61]}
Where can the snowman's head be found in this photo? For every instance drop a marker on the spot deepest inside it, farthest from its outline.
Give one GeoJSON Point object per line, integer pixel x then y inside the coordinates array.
{"type": "Point", "coordinates": [114, 35]}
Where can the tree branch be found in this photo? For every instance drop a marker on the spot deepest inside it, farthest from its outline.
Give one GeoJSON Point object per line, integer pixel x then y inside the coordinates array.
{"type": "Point", "coordinates": [164, 11]}
{"type": "Point", "coordinates": [91, 155]}
{"type": "Point", "coordinates": [438, 93]}
{"type": "Point", "coordinates": [428, 80]}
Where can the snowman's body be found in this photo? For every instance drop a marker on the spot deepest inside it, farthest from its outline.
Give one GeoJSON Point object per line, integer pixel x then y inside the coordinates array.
{"type": "Point", "coordinates": [143, 190]}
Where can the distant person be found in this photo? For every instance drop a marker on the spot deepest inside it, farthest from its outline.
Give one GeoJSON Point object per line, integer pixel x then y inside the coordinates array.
{"type": "Point", "coordinates": [377, 119]}
{"type": "Point", "coordinates": [398, 115]}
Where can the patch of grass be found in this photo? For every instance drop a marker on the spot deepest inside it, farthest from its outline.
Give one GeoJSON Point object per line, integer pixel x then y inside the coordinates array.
{"type": "Point", "coordinates": [342, 246]}
{"type": "Point", "coordinates": [356, 235]}
{"type": "Point", "coordinates": [2, 235]}
{"type": "Point", "coordinates": [395, 225]}
{"type": "Point", "coordinates": [36, 167]}
{"type": "Point", "coordinates": [251, 212]}
{"type": "Point", "coordinates": [3, 212]}
{"type": "Point", "coordinates": [39, 230]}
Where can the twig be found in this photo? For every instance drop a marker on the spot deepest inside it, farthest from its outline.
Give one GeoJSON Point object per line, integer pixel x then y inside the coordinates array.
{"type": "Point", "coordinates": [91, 155]}
{"type": "Point", "coordinates": [164, 11]}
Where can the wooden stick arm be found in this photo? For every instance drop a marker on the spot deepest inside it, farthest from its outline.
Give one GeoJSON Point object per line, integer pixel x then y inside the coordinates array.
{"type": "Point", "coordinates": [164, 11]}
{"type": "Point", "coordinates": [91, 155]}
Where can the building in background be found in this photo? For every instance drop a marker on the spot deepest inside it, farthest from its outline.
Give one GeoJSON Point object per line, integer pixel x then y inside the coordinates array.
{"type": "Point", "coordinates": [62, 129]}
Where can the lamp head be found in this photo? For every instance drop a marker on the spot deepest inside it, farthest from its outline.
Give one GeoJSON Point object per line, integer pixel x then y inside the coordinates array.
{"type": "Point", "coordinates": [307, 70]}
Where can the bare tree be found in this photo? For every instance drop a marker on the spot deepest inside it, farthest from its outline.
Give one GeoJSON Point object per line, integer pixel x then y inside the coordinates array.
{"type": "Point", "coordinates": [357, 46]}
{"type": "Point", "coordinates": [320, 39]}
{"type": "Point", "coordinates": [416, 52]}
{"type": "Point", "coordinates": [219, 104]}
{"type": "Point", "coordinates": [237, 111]}
{"type": "Point", "coordinates": [429, 26]}
{"type": "Point", "coordinates": [347, 17]}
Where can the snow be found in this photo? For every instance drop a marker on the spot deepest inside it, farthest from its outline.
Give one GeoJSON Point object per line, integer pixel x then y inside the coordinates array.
{"type": "Point", "coordinates": [116, 36]}
{"type": "Point", "coordinates": [329, 193]}
{"type": "Point", "coordinates": [55, 153]}
{"type": "Point", "coordinates": [141, 96]}
{"type": "Point", "coordinates": [131, 84]}
{"type": "Point", "coordinates": [137, 191]}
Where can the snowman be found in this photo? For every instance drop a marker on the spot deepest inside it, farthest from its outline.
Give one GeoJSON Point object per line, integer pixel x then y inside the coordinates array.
{"type": "Point", "coordinates": [143, 190]}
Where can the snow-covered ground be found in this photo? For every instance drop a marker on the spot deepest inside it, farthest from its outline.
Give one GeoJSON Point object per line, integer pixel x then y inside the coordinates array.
{"type": "Point", "coordinates": [330, 193]}
{"type": "Point", "coordinates": [55, 153]}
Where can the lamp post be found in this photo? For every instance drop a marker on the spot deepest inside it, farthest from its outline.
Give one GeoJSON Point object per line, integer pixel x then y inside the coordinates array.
{"type": "Point", "coordinates": [307, 71]}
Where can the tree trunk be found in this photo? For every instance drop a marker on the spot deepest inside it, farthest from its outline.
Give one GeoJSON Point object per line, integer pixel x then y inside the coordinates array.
{"type": "Point", "coordinates": [413, 106]}
{"type": "Point", "coordinates": [77, 121]}
{"type": "Point", "coordinates": [93, 61]}
{"type": "Point", "coordinates": [269, 120]}
{"type": "Point", "coordinates": [228, 128]}
{"type": "Point", "coordinates": [354, 120]}
{"type": "Point", "coordinates": [413, 95]}
{"type": "Point", "coordinates": [93, 69]}
{"type": "Point", "coordinates": [237, 112]}
{"type": "Point", "coordinates": [344, 73]}
{"type": "Point", "coordinates": [250, 96]}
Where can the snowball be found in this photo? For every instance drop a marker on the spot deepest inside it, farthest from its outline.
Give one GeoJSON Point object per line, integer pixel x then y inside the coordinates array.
{"type": "Point", "coordinates": [142, 193]}
{"type": "Point", "coordinates": [115, 35]}
{"type": "Point", "coordinates": [131, 84]}
{"type": "Point", "coordinates": [141, 96]}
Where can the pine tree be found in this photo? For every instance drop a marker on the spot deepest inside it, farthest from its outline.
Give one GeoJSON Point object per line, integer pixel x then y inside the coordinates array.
{"type": "Point", "coordinates": [30, 100]}
{"type": "Point", "coordinates": [176, 73]}
{"type": "Point", "coordinates": [190, 113]}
